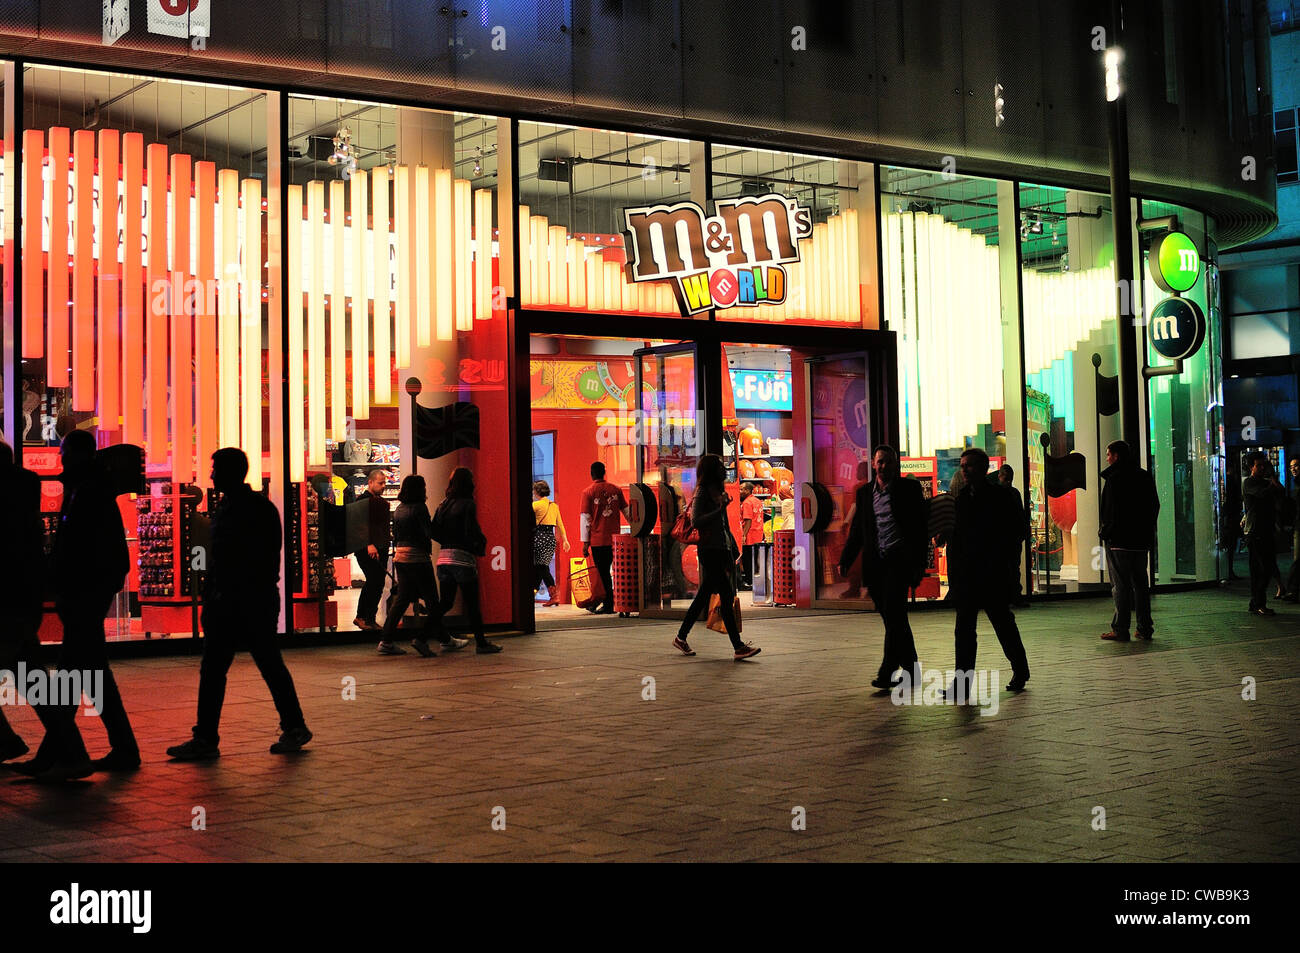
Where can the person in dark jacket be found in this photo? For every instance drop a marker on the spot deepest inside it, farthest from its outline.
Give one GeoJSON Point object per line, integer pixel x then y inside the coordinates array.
{"type": "Point", "coordinates": [1231, 515]}
{"type": "Point", "coordinates": [889, 528]}
{"type": "Point", "coordinates": [413, 561]}
{"type": "Point", "coordinates": [717, 554]}
{"type": "Point", "coordinates": [1293, 577]}
{"type": "Point", "coordinates": [987, 537]}
{"type": "Point", "coordinates": [456, 528]}
{"type": "Point", "coordinates": [373, 558]}
{"type": "Point", "coordinates": [241, 603]}
{"type": "Point", "coordinates": [89, 564]}
{"type": "Point", "coordinates": [22, 582]}
{"type": "Point", "coordinates": [1127, 526]}
{"type": "Point", "coordinates": [1261, 496]}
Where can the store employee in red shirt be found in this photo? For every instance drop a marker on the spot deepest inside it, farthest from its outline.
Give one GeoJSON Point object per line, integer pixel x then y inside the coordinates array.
{"type": "Point", "coordinates": [603, 505]}
{"type": "Point", "coordinates": [751, 533]}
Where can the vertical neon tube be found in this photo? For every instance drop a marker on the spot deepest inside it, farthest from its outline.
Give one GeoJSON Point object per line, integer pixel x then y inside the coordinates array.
{"type": "Point", "coordinates": [182, 343]}
{"type": "Point", "coordinates": [483, 254]}
{"type": "Point", "coordinates": [33, 257]}
{"type": "Point", "coordinates": [539, 244]}
{"type": "Point", "coordinates": [251, 321]}
{"type": "Point", "coordinates": [157, 301]}
{"type": "Point", "coordinates": [132, 289]}
{"type": "Point", "coordinates": [109, 335]}
{"type": "Point", "coordinates": [56, 307]}
{"type": "Point", "coordinates": [404, 248]}
{"type": "Point", "coordinates": [206, 382]}
{"type": "Point", "coordinates": [444, 250]}
{"type": "Point", "coordinates": [559, 266]}
{"type": "Point", "coordinates": [526, 275]}
{"type": "Point", "coordinates": [464, 256]}
{"type": "Point", "coordinates": [293, 292]}
{"type": "Point", "coordinates": [83, 271]}
{"type": "Point", "coordinates": [316, 428]}
{"type": "Point", "coordinates": [379, 239]}
{"type": "Point", "coordinates": [228, 305]}
{"type": "Point", "coordinates": [360, 301]}
{"type": "Point", "coordinates": [424, 242]}
{"type": "Point", "coordinates": [338, 384]}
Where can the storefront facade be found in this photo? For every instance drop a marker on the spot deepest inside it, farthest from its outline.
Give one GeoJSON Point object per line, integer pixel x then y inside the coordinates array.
{"type": "Point", "coordinates": [299, 260]}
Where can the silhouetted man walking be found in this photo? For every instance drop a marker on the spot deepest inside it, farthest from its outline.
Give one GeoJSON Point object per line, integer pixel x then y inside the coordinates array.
{"type": "Point", "coordinates": [1261, 496]}
{"type": "Point", "coordinates": [1129, 507]}
{"type": "Point", "coordinates": [889, 529]}
{"type": "Point", "coordinates": [241, 603]}
{"type": "Point", "coordinates": [986, 538]}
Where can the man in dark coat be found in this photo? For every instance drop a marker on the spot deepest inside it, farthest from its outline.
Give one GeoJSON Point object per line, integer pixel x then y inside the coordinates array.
{"type": "Point", "coordinates": [1261, 495]}
{"type": "Point", "coordinates": [373, 556]}
{"type": "Point", "coordinates": [889, 529]}
{"type": "Point", "coordinates": [987, 537]}
{"type": "Point", "coordinates": [241, 602]}
{"type": "Point", "coordinates": [89, 565]}
{"type": "Point", "coordinates": [1129, 507]}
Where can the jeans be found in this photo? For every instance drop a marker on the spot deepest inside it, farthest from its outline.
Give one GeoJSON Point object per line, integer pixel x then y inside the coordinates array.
{"type": "Point", "coordinates": [1131, 588]}
{"type": "Point", "coordinates": [996, 607]}
{"type": "Point", "coordinates": [84, 649]}
{"type": "Point", "coordinates": [464, 578]}
{"type": "Point", "coordinates": [1263, 567]}
{"type": "Point", "coordinates": [747, 564]}
{"type": "Point", "coordinates": [715, 578]}
{"type": "Point", "coordinates": [224, 629]}
{"type": "Point", "coordinates": [888, 580]}
{"type": "Point", "coordinates": [415, 581]}
{"type": "Point", "coordinates": [368, 603]}
{"type": "Point", "coordinates": [604, 559]}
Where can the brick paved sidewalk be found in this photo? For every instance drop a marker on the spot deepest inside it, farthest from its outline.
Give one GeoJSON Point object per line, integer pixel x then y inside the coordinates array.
{"type": "Point", "coordinates": [555, 731]}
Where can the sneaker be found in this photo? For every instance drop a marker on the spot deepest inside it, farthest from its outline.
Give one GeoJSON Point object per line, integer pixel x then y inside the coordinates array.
{"type": "Point", "coordinates": [487, 648]}
{"type": "Point", "coordinates": [680, 645]}
{"type": "Point", "coordinates": [196, 749]}
{"type": "Point", "coordinates": [118, 761]}
{"type": "Point", "coordinates": [391, 648]}
{"type": "Point", "coordinates": [291, 741]}
{"type": "Point", "coordinates": [1115, 636]}
{"type": "Point", "coordinates": [454, 644]}
{"type": "Point", "coordinates": [421, 647]}
{"type": "Point", "coordinates": [747, 650]}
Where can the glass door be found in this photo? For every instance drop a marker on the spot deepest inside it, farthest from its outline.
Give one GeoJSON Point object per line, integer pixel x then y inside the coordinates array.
{"type": "Point", "coordinates": [840, 426]}
{"type": "Point", "coordinates": [668, 431]}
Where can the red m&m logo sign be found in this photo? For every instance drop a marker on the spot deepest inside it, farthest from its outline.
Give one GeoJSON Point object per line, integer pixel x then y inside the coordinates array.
{"type": "Point", "coordinates": [724, 287]}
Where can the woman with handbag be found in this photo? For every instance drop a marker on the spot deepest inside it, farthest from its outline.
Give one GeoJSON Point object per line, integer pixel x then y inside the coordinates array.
{"type": "Point", "coordinates": [548, 525]}
{"type": "Point", "coordinates": [412, 559]}
{"type": "Point", "coordinates": [455, 527]}
{"type": "Point", "coordinates": [716, 551]}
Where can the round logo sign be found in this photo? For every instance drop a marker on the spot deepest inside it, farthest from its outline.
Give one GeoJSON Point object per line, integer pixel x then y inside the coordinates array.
{"type": "Point", "coordinates": [724, 288]}
{"type": "Point", "coordinates": [1176, 328]}
{"type": "Point", "coordinates": [1174, 262]}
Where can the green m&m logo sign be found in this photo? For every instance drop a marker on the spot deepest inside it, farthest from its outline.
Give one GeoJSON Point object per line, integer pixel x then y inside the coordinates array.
{"type": "Point", "coordinates": [1174, 262]}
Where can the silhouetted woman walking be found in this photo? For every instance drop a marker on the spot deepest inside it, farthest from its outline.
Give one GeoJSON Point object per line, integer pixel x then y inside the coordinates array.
{"type": "Point", "coordinates": [413, 560]}
{"type": "Point", "coordinates": [455, 527]}
{"type": "Point", "coordinates": [716, 551]}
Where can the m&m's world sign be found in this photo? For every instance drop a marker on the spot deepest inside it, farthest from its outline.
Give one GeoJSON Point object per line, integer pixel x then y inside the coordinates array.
{"type": "Point", "coordinates": [731, 259]}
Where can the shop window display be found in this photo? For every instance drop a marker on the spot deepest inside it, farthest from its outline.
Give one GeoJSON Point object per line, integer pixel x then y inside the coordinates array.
{"type": "Point", "coordinates": [144, 309]}
{"type": "Point", "coordinates": [393, 273]}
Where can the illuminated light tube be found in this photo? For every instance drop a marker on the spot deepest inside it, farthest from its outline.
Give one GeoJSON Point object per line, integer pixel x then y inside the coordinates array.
{"type": "Point", "coordinates": [629, 289]}
{"type": "Point", "coordinates": [834, 266]}
{"type": "Point", "coordinates": [464, 257]}
{"type": "Point", "coordinates": [577, 274]}
{"type": "Point", "coordinates": [526, 275]}
{"type": "Point", "coordinates": [109, 333]}
{"type": "Point", "coordinates": [156, 302]}
{"type": "Point", "coordinates": [424, 242]}
{"type": "Point", "coordinates": [228, 305]}
{"type": "Point", "coordinates": [613, 283]}
{"type": "Point", "coordinates": [405, 247]}
{"type": "Point", "coordinates": [132, 289]}
{"type": "Point", "coordinates": [379, 251]}
{"type": "Point", "coordinates": [33, 259]}
{"type": "Point", "coordinates": [83, 271]}
{"type": "Point", "coordinates": [541, 272]}
{"type": "Point", "coordinates": [56, 307]}
{"type": "Point", "coordinates": [206, 381]}
{"type": "Point", "coordinates": [182, 343]}
{"type": "Point", "coordinates": [360, 300]}
{"type": "Point", "coordinates": [483, 254]}
{"type": "Point", "coordinates": [445, 255]}
{"type": "Point", "coordinates": [297, 432]}
{"type": "Point", "coordinates": [316, 427]}
{"type": "Point", "coordinates": [559, 266]}
{"type": "Point", "coordinates": [595, 283]}
{"type": "Point", "coordinates": [338, 383]}
{"type": "Point", "coordinates": [251, 320]}
{"type": "Point", "coordinates": [855, 268]}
